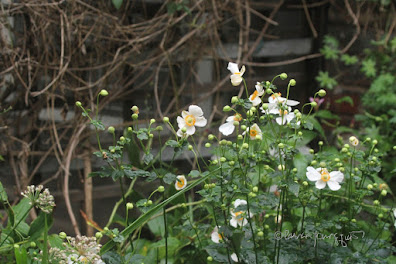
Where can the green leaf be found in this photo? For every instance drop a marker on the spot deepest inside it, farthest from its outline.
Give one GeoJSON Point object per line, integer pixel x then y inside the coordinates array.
{"type": "Point", "coordinates": [20, 255]}
{"type": "Point", "coordinates": [142, 135]}
{"type": "Point", "coordinates": [3, 194]}
{"type": "Point", "coordinates": [172, 143]}
{"type": "Point", "coordinates": [116, 174]}
{"type": "Point", "coordinates": [21, 209]}
{"type": "Point", "coordinates": [368, 68]}
{"type": "Point", "coordinates": [326, 114]}
{"type": "Point", "coordinates": [346, 99]}
{"type": "Point", "coordinates": [146, 216]}
{"type": "Point", "coordinates": [294, 188]}
{"type": "Point", "coordinates": [349, 60]}
{"type": "Point", "coordinates": [325, 81]}
{"type": "Point", "coordinates": [194, 173]}
{"type": "Point", "coordinates": [169, 178]}
{"type": "Point", "coordinates": [147, 158]}
{"type": "Point", "coordinates": [37, 226]}
{"type": "Point", "coordinates": [315, 124]}
{"type": "Point", "coordinates": [98, 124]}
{"type": "Point", "coordinates": [117, 3]}
{"type": "Point", "coordinates": [112, 257]}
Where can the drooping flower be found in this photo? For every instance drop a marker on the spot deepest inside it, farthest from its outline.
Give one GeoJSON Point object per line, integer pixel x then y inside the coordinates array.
{"type": "Point", "coordinates": [322, 177]}
{"type": "Point", "coordinates": [354, 141]}
{"type": "Point", "coordinates": [191, 118]}
{"type": "Point", "coordinates": [216, 236]}
{"type": "Point", "coordinates": [181, 182]}
{"type": "Point", "coordinates": [254, 132]}
{"type": "Point", "coordinates": [255, 97]}
{"type": "Point", "coordinates": [239, 217]}
{"type": "Point", "coordinates": [228, 127]}
{"type": "Point", "coordinates": [234, 257]}
{"type": "Point", "coordinates": [236, 77]}
{"type": "Point", "coordinates": [276, 99]}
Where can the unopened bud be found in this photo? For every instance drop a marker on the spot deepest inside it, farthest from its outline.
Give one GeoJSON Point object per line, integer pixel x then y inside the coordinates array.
{"type": "Point", "coordinates": [292, 82]}
{"type": "Point", "coordinates": [234, 99]}
{"type": "Point", "coordinates": [78, 104]}
{"type": "Point", "coordinates": [104, 93]}
{"type": "Point", "coordinates": [111, 129]}
{"type": "Point", "coordinates": [283, 76]}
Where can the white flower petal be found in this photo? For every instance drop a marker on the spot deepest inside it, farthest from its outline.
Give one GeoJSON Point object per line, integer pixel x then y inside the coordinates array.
{"type": "Point", "coordinates": [312, 174]}
{"type": "Point", "coordinates": [180, 122]}
{"type": "Point", "coordinates": [236, 79]}
{"type": "Point", "coordinates": [215, 235]}
{"type": "Point", "coordinates": [337, 176]}
{"type": "Point", "coordinates": [185, 113]}
{"type": "Point", "coordinates": [333, 185]}
{"type": "Point", "coordinates": [243, 69]}
{"type": "Point", "coordinates": [281, 121]}
{"type": "Point", "coordinates": [227, 128]}
{"type": "Point", "coordinates": [200, 121]}
{"type": "Point", "coordinates": [239, 202]}
{"type": "Point", "coordinates": [234, 222]}
{"type": "Point", "coordinates": [179, 133]}
{"type": "Point", "coordinates": [260, 88]}
{"type": "Point", "coordinates": [195, 110]}
{"type": "Point", "coordinates": [230, 119]}
{"type": "Point", "coordinates": [232, 67]}
{"type": "Point", "coordinates": [320, 184]}
{"type": "Point", "coordinates": [234, 257]}
{"type": "Point", "coordinates": [190, 130]}
{"type": "Point", "coordinates": [256, 101]}
{"type": "Point", "coordinates": [292, 102]}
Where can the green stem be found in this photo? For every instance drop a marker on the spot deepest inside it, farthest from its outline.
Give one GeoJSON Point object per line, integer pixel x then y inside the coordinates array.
{"type": "Point", "coordinates": [13, 229]}
{"type": "Point", "coordinates": [45, 241]}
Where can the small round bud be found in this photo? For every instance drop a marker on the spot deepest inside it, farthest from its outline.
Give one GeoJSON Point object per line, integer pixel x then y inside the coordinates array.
{"type": "Point", "coordinates": [281, 167]}
{"type": "Point", "coordinates": [384, 192]}
{"type": "Point", "coordinates": [33, 244]}
{"type": "Point", "coordinates": [165, 119]}
{"type": "Point", "coordinates": [223, 159]}
{"type": "Point", "coordinates": [111, 129]}
{"type": "Point", "coordinates": [281, 145]}
{"type": "Point", "coordinates": [342, 169]}
{"type": "Point", "coordinates": [314, 104]}
{"type": "Point", "coordinates": [245, 145]}
{"type": "Point", "coordinates": [135, 109]}
{"type": "Point", "coordinates": [314, 162]}
{"type": "Point", "coordinates": [112, 150]}
{"type": "Point", "coordinates": [227, 108]}
{"type": "Point", "coordinates": [209, 259]}
{"type": "Point", "coordinates": [320, 143]}
{"type": "Point", "coordinates": [283, 76]}
{"type": "Point", "coordinates": [231, 163]}
{"type": "Point", "coordinates": [16, 246]}
{"type": "Point", "coordinates": [208, 145]}
{"type": "Point", "coordinates": [266, 226]}
{"type": "Point", "coordinates": [260, 234]}
{"type": "Point", "coordinates": [152, 121]}
{"type": "Point", "coordinates": [255, 189]}
{"type": "Point", "coordinates": [122, 138]}
{"type": "Point", "coordinates": [376, 150]}
{"type": "Point", "coordinates": [249, 113]}
{"type": "Point", "coordinates": [344, 150]}
{"type": "Point", "coordinates": [184, 130]}
{"type": "Point", "coordinates": [135, 116]}
{"type": "Point", "coordinates": [78, 104]}
{"type": "Point", "coordinates": [375, 185]}
{"type": "Point", "coordinates": [294, 170]}
{"type": "Point", "coordinates": [243, 127]}
{"type": "Point", "coordinates": [265, 106]}
{"type": "Point", "coordinates": [370, 187]}
{"type": "Point", "coordinates": [292, 82]}
{"type": "Point", "coordinates": [375, 142]}
{"type": "Point", "coordinates": [268, 91]}
{"type": "Point", "coordinates": [239, 137]}
{"type": "Point", "coordinates": [380, 215]}
{"type": "Point", "coordinates": [298, 116]}
{"type": "Point", "coordinates": [394, 147]}
{"type": "Point", "coordinates": [161, 189]}
{"type": "Point", "coordinates": [106, 229]}
{"type": "Point", "coordinates": [258, 137]}
{"type": "Point", "coordinates": [305, 183]}
{"type": "Point", "coordinates": [159, 128]}
{"type": "Point", "coordinates": [103, 93]}
{"type": "Point", "coordinates": [376, 202]}
{"type": "Point", "coordinates": [190, 147]}
{"type": "Point", "coordinates": [252, 194]}
{"type": "Point", "coordinates": [234, 100]}
{"type": "Point", "coordinates": [353, 220]}
{"type": "Point", "coordinates": [311, 151]}
{"type": "Point", "coordinates": [130, 129]}
{"type": "Point", "coordinates": [62, 235]}
{"type": "Point", "coordinates": [299, 133]}
{"type": "Point", "coordinates": [214, 162]}
{"type": "Point", "coordinates": [253, 109]}
{"type": "Point", "coordinates": [149, 202]}
{"type": "Point", "coordinates": [322, 93]}
{"type": "Point", "coordinates": [98, 235]}
{"type": "Point", "coordinates": [354, 141]}
{"type": "Point", "coordinates": [235, 123]}
{"type": "Point", "coordinates": [211, 137]}
{"type": "Point", "coordinates": [129, 206]}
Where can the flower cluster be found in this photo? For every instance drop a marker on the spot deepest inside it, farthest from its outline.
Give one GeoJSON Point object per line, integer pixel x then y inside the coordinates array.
{"type": "Point", "coordinates": [43, 200]}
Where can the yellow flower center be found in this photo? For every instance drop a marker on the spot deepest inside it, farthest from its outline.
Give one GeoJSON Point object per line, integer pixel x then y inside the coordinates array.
{"type": "Point", "coordinates": [190, 120]}
{"type": "Point", "coordinates": [180, 183]}
{"type": "Point", "coordinates": [253, 132]}
{"type": "Point", "coordinates": [238, 73]}
{"type": "Point", "coordinates": [325, 175]}
{"type": "Point", "coordinates": [239, 215]}
{"type": "Point", "coordinates": [283, 112]}
{"type": "Point", "coordinates": [237, 117]}
{"type": "Point", "coordinates": [254, 95]}
{"type": "Point", "coordinates": [275, 95]}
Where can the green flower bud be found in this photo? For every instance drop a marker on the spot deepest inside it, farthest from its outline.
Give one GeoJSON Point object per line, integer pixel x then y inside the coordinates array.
{"type": "Point", "coordinates": [129, 206]}
{"type": "Point", "coordinates": [265, 106]}
{"type": "Point", "coordinates": [249, 113]}
{"type": "Point", "coordinates": [243, 127]}
{"type": "Point", "coordinates": [322, 93]}
{"type": "Point", "coordinates": [311, 151]}
{"type": "Point", "coordinates": [184, 130]}
{"type": "Point", "coordinates": [33, 244]}
{"type": "Point", "coordinates": [245, 145]}
{"type": "Point", "coordinates": [252, 195]}
{"type": "Point", "coordinates": [370, 187]}
{"type": "Point", "coordinates": [135, 116]}
{"type": "Point", "coordinates": [62, 235]}
{"type": "Point", "coordinates": [159, 128]}
{"type": "Point", "coordinates": [281, 167]}
{"type": "Point", "coordinates": [211, 137]}
{"type": "Point", "coordinates": [208, 145]}
{"type": "Point", "coordinates": [152, 121]}
{"type": "Point", "coordinates": [78, 104]}
{"type": "Point", "coordinates": [231, 163]}
{"type": "Point", "coordinates": [337, 160]}
{"type": "Point", "coordinates": [268, 91]}
{"type": "Point", "coordinates": [281, 145]}
{"type": "Point", "coordinates": [223, 159]}
{"type": "Point", "coordinates": [234, 100]}
{"type": "Point", "coordinates": [292, 82]}
{"type": "Point", "coordinates": [394, 147]}
{"type": "Point", "coordinates": [305, 183]}
{"type": "Point", "coordinates": [283, 76]}
{"type": "Point", "coordinates": [190, 147]}
{"type": "Point", "coordinates": [314, 162]}
{"type": "Point", "coordinates": [342, 169]}
{"type": "Point", "coordinates": [253, 109]}
{"type": "Point", "coordinates": [106, 229]}
{"type": "Point", "coordinates": [135, 109]}
{"type": "Point", "coordinates": [130, 130]}
{"type": "Point", "coordinates": [16, 246]}
{"type": "Point", "coordinates": [298, 116]}
{"type": "Point", "coordinates": [111, 129]}
{"type": "Point", "coordinates": [239, 137]}
{"type": "Point", "coordinates": [375, 142]}
{"type": "Point", "coordinates": [384, 192]}
{"type": "Point", "coordinates": [299, 133]}
{"type": "Point", "coordinates": [314, 104]}
{"type": "Point", "coordinates": [227, 108]}
{"type": "Point", "coordinates": [209, 259]}
{"type": "Point", "coordinates": [161, 189]}
{"type": "Point", "coordinates": [320, 143]}
{"type": "Point", "coordinates": [255, 189]}
{"type": "Point", "coordinates": [236, 123]}
{"type": "Point", "coordinates": [266, 226]}
{"type": "Point", "coordinates": [98, 235]}
{"type": "Point", "coordinates": [149, 202]}
{"type": "Point", "coordinates": [380, 215]}
{"type": "Point", "coordinates": [294, 170]}
{"type": "Point", "coordinates": [122, 138]}
{"type": "Point", "coordinates": [260, 234]}
{"type": "Point", "coordinates": [104, 93]}
{"type": "Point", "coordinates": [376, 202]}
{"type": "Point", "coordinates": [322, 164]}
{"type": "Point", "coordinates": [214, 162]}
{"type": "Point", "coordinates": [165, 119]}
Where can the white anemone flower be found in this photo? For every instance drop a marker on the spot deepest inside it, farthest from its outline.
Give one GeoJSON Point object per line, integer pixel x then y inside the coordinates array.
{"type": "Point", "coordinates": [239, 217]}
{"type": "Point", "coordinates": [234, 257]}
{"type": "Point", "coordinates": [236, 77]}
{"type": "Point", "coordinates": [286, 116]}
{"type": "Point", "coordinates": [228, 127]}
{"type": "Point", "coordinates": [191, 118]}
{"type": "Point", "coordinates": [277, 99]}
{"type": "Point", "coordinates": [216, 236]}
{"type": "Point", "coordinates": [254, 132]}
{"type": "Point", "coordinates": [255, 97]}
{"type": "Point", "coordinates": [181, 182]}
{"type": "Point", "coordinates": [322, 177]}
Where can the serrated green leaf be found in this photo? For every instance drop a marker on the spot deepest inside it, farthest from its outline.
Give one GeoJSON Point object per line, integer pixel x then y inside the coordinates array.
{"type": "Point", "coordinates": [98, 124]}
{"type": "Point", "coordinates": [194, 173]}
{"type": "Point", "coordinates": [169, 178]}
{"type": "Point", "coordinates": [116, 174]}
{"type": "Point", "coordinates": [172, 143]}
{"type": "Point", "coordinates": [147, 158]}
